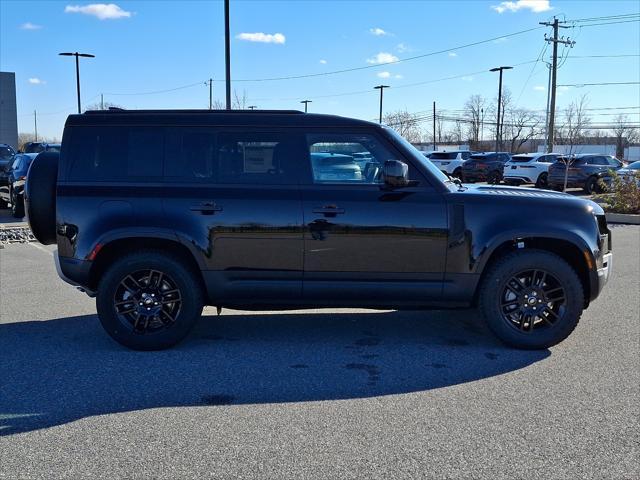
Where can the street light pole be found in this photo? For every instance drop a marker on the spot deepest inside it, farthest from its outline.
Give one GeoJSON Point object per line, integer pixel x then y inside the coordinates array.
{"type": "Point", "coordinates": [381, 88]}
{"type": "Point", "coordinates": [76, 54]}
{"type": "Point", "coordinates": [305, 104]}
{"type": "Point", "coordinates": [227, 53]}
{"type": "Point", "coordinates": [498, 126]}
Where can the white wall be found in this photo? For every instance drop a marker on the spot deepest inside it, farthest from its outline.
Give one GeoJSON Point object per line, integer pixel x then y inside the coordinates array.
{"type": "Point", "coordinates": [566, 149]}
{"type": "Point", "coordinates": [632, 154]}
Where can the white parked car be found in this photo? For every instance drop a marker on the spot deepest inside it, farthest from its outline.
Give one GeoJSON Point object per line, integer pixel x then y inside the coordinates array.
{"type": "Point", "coordinates": [529, 168]}
{"type": "Point", "coordinates": [450, 162]}
{"type": "Point", "coordinates": [630, 173]}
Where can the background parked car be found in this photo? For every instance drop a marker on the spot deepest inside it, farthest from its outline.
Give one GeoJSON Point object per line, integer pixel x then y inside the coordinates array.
{"type": "Point", "coordinates": [6, 158]}
{"type": "Point", "coordinates": [630, 172]}
{"type": "Point", "coordinates": [450, 162]}
{"type": "Point", "coordinates": [37, 147]}
{"type": "Point", "coordinates": [585, 171]}
{"type": "Point", "coordinates": [330, 167]}
{"type": "Point", "coordinates": [13, 192]}
{"type": "Point", "coordinates": [529, 168]}
{"type": "Point", "coordinates": [483, 167]}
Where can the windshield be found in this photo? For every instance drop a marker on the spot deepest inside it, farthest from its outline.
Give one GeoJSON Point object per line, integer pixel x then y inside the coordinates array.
{"type": "Point", "coordinates": [417, 156]}
{"type": "Point", "coordinates": [634, 166]}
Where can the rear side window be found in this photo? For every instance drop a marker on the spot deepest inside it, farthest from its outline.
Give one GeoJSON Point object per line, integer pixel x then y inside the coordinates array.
{"type": "Point", "coordinates": [598, 161]}
{"type": "Point", "coordinates": [523, 159]}
{"type": "Point", "coordinates": [443, 156]}
{"type": "Point", "coordinates": [103, 154]}
{"type": "Point", "coordinates": [191, 154]}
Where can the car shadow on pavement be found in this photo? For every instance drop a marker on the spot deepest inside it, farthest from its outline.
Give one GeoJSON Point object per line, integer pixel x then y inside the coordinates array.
{"type": "Point", "coordinates": [57, 371]}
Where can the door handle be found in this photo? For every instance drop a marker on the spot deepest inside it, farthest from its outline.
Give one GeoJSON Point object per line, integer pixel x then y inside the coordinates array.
{"type": "Point", "coordinates": [206, 208]}
{"type": "Point", "coordinates": [328, 210]}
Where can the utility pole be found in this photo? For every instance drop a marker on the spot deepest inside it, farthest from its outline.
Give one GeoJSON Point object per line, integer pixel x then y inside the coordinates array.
{"type": "Point", "coordinates": [101, 101]}
{"type": "Point", "coordinates": [35, 124]}
{"type": "Point", "coordinates": [305, 104]}
{"type": "Point", "coordinates": [554, 68]}
{"type": "Point", "coordinates": [434, 126]}
{"type": "Point", "coordinates": [381, 88]}
{"type": "Point", "coordinates": [546, 118]}
{"type": "Point", "coordinates": [481, 125]}
{"type": "Point", "coordinates": [499, 123]}
{"type": "Point", "coordinates": [76, 54]}
{"type": "Point", "coordinates": [210, 83]}
{"type": "Point", "coordinates": [227, 53]}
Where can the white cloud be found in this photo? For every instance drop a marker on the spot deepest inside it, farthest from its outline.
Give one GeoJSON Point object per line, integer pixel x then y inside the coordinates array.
{"type": "Point", "coordinates": [500, 40]}
{"type": "Point", "coordinates": [30, 26]}
{"type": "Point", "coordinates": [378, 32]}
{"type": "Point", "coordinates": [382, 57]}
{"type": "Point", "coordinates": [383, 74]}
{"type": "Point", "coordinates": [398, 76]}
{"type": "Point", "coordinates": [36, 81]}
{"type": "Point", "coordinates": [467, 79]}
{"type": "Point", "coordinates": [103, 11]}
{"type": "Point", "coordinates": [403, 47]}
{"type": "Point", "coordinates": [262, 37]}
{"type": "Point", "coordinates": [535, 6]}
{"type": "Point", "coordinates": [323, 61]}
{"type": "Point", "coordinates": [539, 88]}
{"type": "Point", "coordinates": [453, 54]}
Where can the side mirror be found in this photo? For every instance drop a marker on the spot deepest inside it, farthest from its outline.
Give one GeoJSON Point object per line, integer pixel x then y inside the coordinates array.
{"type": "Point", "coordinates": [395, 173]}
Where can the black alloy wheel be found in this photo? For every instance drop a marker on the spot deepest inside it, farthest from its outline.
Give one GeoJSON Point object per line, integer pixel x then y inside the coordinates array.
{"type": "Point", "coordinates": [543, 180]}
{"type": "Point", "coordinates": [147, 301]}
{"type": "Point", "coordinates": [532, 299]}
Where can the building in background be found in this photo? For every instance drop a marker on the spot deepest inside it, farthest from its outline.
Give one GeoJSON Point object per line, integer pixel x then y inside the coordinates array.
{"type": "Point", "coordinates": [8, 111]}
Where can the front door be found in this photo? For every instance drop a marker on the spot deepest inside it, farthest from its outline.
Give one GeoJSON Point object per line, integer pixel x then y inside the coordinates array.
{"type": "Point", "coordinates": [365, 243]}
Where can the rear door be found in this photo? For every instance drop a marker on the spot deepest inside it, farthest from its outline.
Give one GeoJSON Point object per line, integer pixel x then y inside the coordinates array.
{"type": "Point", "coordinates": [233, 196]}
{"type": "Point", "coordinates": [364, 243]}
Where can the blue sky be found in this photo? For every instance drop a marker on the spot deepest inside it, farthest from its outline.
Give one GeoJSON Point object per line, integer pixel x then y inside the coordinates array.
{"type": "Point", "coordinates": [146, 46]}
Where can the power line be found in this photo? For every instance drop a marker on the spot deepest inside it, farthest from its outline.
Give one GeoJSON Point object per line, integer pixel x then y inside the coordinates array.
{"type": "Point", "coordinates": [579, 85]}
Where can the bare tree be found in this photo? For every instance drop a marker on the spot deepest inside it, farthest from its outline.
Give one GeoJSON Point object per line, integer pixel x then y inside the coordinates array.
{"type": "Point", "coordinates": [473, 108]}
{"type": "Point", "coordinates": [101, 106]}
{"type": "Point", "coordinates": [623, 133]}
{"type": "Point", "coordinates": [405, 123]}
{"type": "Point", "coordinates": [506, 102]}
{"type": "Point", "coordinates": [24, 138]}
{"type": "Point", "coordinates": [573, 129]}
{"type": "Point", "coordinates": [521, 126]}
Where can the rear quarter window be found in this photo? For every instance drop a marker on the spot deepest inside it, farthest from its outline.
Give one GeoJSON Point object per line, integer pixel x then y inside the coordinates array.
{"type": "Point", "coordinates": [103, 154]}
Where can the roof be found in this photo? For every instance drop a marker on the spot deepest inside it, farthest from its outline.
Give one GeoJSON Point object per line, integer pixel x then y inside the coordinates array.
{"type": "Point", "coordinates": [213, 117]}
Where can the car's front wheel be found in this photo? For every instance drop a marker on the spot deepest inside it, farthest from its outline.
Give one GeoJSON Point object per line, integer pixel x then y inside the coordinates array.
{"type": "Point", "coordinates": [149, 300]}
{"type": "Point", "coordinates": [542, 181]}
{"type": "Point", "coordinates": [531, 299]}
{"type": "Point", "coordinates": [494, 178]}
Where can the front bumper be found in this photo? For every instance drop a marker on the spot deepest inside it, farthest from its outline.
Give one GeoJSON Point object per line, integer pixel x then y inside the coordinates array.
{"type": "Point", "coordinates": [605, 272]}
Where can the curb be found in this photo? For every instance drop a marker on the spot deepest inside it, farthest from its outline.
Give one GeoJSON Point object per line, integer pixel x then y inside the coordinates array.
{"type": "Point", "coordinates": [629, 219]}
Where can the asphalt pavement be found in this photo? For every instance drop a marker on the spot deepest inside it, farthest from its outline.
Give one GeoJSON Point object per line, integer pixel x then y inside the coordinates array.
{"type": "Point", "coordinates": [314, 394]}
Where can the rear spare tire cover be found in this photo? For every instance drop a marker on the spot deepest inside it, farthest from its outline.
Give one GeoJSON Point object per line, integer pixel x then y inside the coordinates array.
{"type": "Point", "coordinates": [40, 196]}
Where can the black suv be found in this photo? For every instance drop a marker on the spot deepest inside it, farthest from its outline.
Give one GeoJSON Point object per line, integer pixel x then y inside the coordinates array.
{"type": "Point", "coordinates": [158, 213]}
{"type": "Point", "coordinates": [585, 171]}
{"type": "Point", "coordinates": [13, 192]}
{"type": "Point", "coordinates": [485, 167]}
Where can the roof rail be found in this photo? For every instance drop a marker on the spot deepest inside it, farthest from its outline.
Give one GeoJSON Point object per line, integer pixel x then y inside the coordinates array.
{"type": "Point", "coordinates": [199, 112]}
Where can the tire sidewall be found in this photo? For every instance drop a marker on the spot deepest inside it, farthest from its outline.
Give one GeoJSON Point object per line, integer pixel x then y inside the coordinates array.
{"type": "Point", "coordinates": [510, 266]}
{"type": "Point", "coordinates": [190, 292]}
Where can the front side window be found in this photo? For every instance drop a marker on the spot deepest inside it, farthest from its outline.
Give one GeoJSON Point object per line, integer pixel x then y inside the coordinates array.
{"type": "Point", "coordinates": [341, 158]}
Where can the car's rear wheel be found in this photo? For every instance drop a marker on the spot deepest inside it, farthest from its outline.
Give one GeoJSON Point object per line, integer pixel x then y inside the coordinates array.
{"type": "Point", "coordinates": [531, 299]}
{"type": "Point", "coordinates": [457, 173]}
{"type": "Point", "coordinates": [542, 181]}
{"type": "Point", "coordinates": [149, 300]}
{"type": "Point", "coordinates": [591, 185]}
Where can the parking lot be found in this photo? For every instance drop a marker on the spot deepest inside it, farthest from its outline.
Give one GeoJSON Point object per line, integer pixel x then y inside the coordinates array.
{"type": "Point", "coordinates": [314, 394]}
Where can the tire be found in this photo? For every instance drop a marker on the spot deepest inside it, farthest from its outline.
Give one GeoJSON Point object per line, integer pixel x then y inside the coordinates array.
{"type": "Point", "coordinates": [180, 304]}
{"type": "Point", "coordinates": [494, 178]}
{"type": "Point", "coordinates": [3, 204]}
{"type": "Point", "coordinates": [40, 196]}
{"type": "Point", "coordinates": [457, 173]}
{"type": "Point", "coordinates": [17, 205]}
{"type": "Point", "coordinates": [547, 329]}
{"type": "Point", "coordinates": [591, 185]}
{"type": "Point", "coordinates": [542, 181]}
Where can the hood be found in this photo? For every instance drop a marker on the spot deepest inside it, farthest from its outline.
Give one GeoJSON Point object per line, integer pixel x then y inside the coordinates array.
{"type": "Point", "coordinates": [510, 194]}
